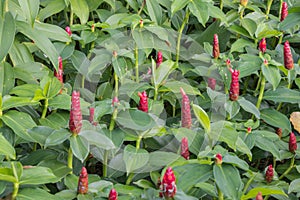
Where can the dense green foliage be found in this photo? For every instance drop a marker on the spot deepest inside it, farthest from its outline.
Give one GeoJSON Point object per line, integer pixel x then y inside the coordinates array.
{"type": "Point", "coordinates": [111, 57]}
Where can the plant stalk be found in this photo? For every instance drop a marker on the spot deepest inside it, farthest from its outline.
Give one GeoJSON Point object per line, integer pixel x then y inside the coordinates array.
{"type": "Point", "coordinates": [184, 22]}
{"type": "Point", "coordinates": [105, 161]}
{"type": "Point", "coordinates": [71, 17]}
{"type": "Point", "coordinates": [45, 109]}
{"type": "Point", "coordinates": [269, 4]}
{"type": "Point", "coordinates": [248, 184]}
{"type": "Point", "coordinates": [280, 104]}
{"type": "Point", "coordinates": [280, 8]}
{"type": "Point", "coordinates": [136, 52]}
{"type": "Point", "coordinates": [70, 160]}
{"type": "Point", "coordinates": [288, 169]}
{"type": "Point", "coordinates": [221, 4]}
{"type": "Point", "coordinates": [15, 191]}
{"type": "Point", "coordinates": [142, 7]}
{"type": "Point", "coordinates": [261, 91]}
{"type": "Point", "coordinates": [220, 194]}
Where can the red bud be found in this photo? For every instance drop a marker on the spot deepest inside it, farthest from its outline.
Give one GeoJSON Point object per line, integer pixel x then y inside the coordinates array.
{"type": "Point", "coordinates": [234, 86]}
{"type": "Point", "coordinates": [244, 2]}
{"type": "Point", "coordinates": [185, 148]}
{"type": "Point", "coordinates": [279, 132]}
{"type": "Point", "coordinates": [284, 11]}
{"type": "Point", "coordinates": [75, 122]}
{"type": "Point", "coordinates": [269, 173]}
{"type": "Point", "coordinates": [143, 104]}
{"type": "Point", "coordinates": [212, 83]}
{"type": "Point", "coordinates": [115, 101]}
{"type": "Point", "coordinates": [216, 49]}
{"type": "Point", "coordinates": [113, 195]}
{"type": "Point", "coordinates": [263, 45]}
{"type": "Point", "coordinates": [169, 184]}
{"type": "Point", "coordinates": [292, 143]}
{"type": "Point", "coordinates": [259, 196]}
{"type": "Point", "coordinates": [249, 129]}
{"type": "Point", "coordinates": [68, 30]}
{"type": "Point", "coordinates": [218, 159]}
{"type": "Point", "coordinates": [288, 57]}
{"type": "Point", "coordinates": [59, 73]}
{"type": "Point", "coordinates": [83, 182]}
{"type": "Point", "coordinates": [186, 117]}
{"type": "Point", "coordinates": [228, 62]}
{"type": "Point", "coordinates": [159, 59]}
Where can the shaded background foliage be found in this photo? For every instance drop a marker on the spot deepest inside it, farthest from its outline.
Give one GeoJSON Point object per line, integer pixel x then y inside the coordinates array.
{"type": "Point", "coordinates": [111, 53]}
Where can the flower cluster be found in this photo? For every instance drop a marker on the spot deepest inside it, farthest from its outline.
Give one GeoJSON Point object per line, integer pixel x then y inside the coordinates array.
{"type": "Point", "coordinates": [269, 173]}
{"type": "Point", "coordinates": [75, 122]}
{"type": "Point", "coordinates": [216, 48]}
{"type": "Point", "coordinates": [284, 11]}
{"type": "Point", "coordinates": [288, 57]}
{"type": "Point", "coordinates": [185, 148]}
{"type": "Point", "coordinates": [113, 195]}
{"type": "Point", "coordinates": [292, 143]}
{"type": "Point", "coordinates": [186, 117]}
{"type": "Point", "coordinates": [159, 59]}
{"type": "Point", "coordinates": [234, 86]}
{"type": "Point", "coordinates": [83, 182]}
{"type": "Point", "coordinates": [143, 104]}
{"type": "Point", "coordinates": [168, 185]}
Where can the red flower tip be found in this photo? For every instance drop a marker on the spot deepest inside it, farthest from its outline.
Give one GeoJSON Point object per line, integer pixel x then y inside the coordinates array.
{"type": "Point", "coordinates": [83, 182]}
{"type": "Point", "coordinates": [292, 143]}
{"type": "Point", "coordinates": [288, 57]}
{"type": "Point", "coordinates": [284, 11]}
{"type": "Point", "coordinates": [244, 2]}
{"type": "Point", "coordinates": [68, 30]}
{"type": "Point", "coordinates": [249, 129]}
{"type": "Point", "coordinates": [113, 195]}
{"type": "Point", "coordinates": [228, 62]}
{"type": "Point", "coordinates": [59, 73]}
{"type": "Point", "coordinates": [159, 59]}
{"type": "Point", "coordinates": [259, 196]}
{"type": "Point", "coordinates": [168, 185]}
{"type": "Point", "coordinates": [216, 48]}
{"type": "Point", "coordinates": [279, 132]}
{"type": "Point", "coordinates": [115, 101]}
{"type": "Point", "coordinates": [263, 45]}
{"type": "Point", "coordinates": [212, 83]}
{"type": "Point", "coordinates": [185, 148]}
{"type": "Point", "coordinates": [218, 159]}
{"type": "Point", "coordinates": [186, 117]}
{"type": "Point", "coordinates": [141, 23]}
{"type": "Point", "coordinates": [143, 104]}
{"type": "Point", "coordinates": [269, 173]}
{"type": "Point", "coordinates": [234, 86]}
{"type": "Point", "coordinates": [91, 117]}
{"type": "Point", "coordinates": [75, 122]}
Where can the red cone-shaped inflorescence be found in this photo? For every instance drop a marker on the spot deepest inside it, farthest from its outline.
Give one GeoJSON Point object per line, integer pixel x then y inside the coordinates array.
{"type": "Point", "coordinates": [234, 86]}
{"type": "Point", "coordinates": [292, 143]}
{"type": "Point", "coordinates": [216, 48]}
{"type": "Point", "coordinates": [284, 11]}
{"type": "Point", "coordinates": [92, 116]}
{"type": "Point", "coordinates": [186, 117]}
{"type": "Point", "coordinates": [159, 59]}
{"type": "Point", "coordinates": [168, 185]}
{"type": "Point", "coordinates": [185, 148]}
{"type": "Point", "coordinates": [212, 83]}
{"type": "Point", "coordinates": [263, 45]}
{"type": "Point", "coordinates": [279, 132]}
{"type": "Point", "coordinates": [68, 30]}
{"type": "Point", "coordinates": [244, 2]}
{"type": "Point", "coordinates": [259, 196]}
{"type": "Point", "coordinates": [218, 159]}
{"type": "Point", "coordinates": [113, 195]}
{"type": "Point", "coordinates": [83, 182]}
{"type": "Point", "coordinates": [75, 122]}
{"type": "Point", "coordinates": [143, 104]}
{"type": "Point", "coordinates": [59, 73]}
{"type": "Point", "coordinates": [269, 173]}
{"type": "Point", "coordinates": [288, 57]}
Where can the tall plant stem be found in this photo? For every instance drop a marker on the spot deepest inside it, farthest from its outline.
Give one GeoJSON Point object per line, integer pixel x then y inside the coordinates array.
{"type": "Point", "coordinates": [269, 4]}
{"type": "Point", "coordinates": [45, 109]}
{"type": "Point", "coordinates": [136, 52]}
{"type": "Point", "coordinates": [280, 8]}
{"type": "Point", "coordinates": [248, 184]}
{"type": "Point", "coordinates": [184, 22]}
{"type": "Point", "coordinates": [221, 4]}
{"type": "Point", "coordinates": [261, 91]}
{"type": "Point", "coordinates": [220, 194]}
{"type": "Point", "coordinates": [142, 7]}
{"type": "Point", "coordinates": [116, 84]}
{"type": "Point", "coordinates": [105, 162]}
{"type": "Point", "coordinates": [71, 17]}
{"type": "Point", "coordinates": [15, 191]}
{"type": "Point", "coordinates": [70, 160]}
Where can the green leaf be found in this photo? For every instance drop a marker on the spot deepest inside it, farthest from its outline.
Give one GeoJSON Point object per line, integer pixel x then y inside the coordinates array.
{"type": "Point", "coordinates": [282, 94]}
{"type": "Point", "coordinates": [290, 21]}
{"type": "Point", "coordinates": [200, 10]}
{"type": "Point", "coordinates": [275, 118]}
{"type": "Point", "coordinates": [266, 142]}
{"type": "Point", "coordinates": [134, 158]}
{"type": "Point", "coordinates": [174, 86]}
{"type": "Point", "coordinates": [178, 5]}
{"type": "Point", "coordinates": [62, 101]}
{"type": "Point", "coordinates": [37, 175]}
{"type": "Point", "coordinates": [236, 161]}
{"type": "Point", "coordinates": [30, 9]}
{"type": "Point", "coordinates": [266, 33]}
{"type": "Point", "coordinates": [59, 169]}
{"type": "Point", "coordinates": [240, 44]}
{"type": "Point", "coordinates": [98, 139]}
{"type": "Point", "coordinates": [80, 147]}
{"type": "Point", "coordinates": [6, 148]}
{"type": "Point", "coordinates": [249, 107]}
{"type": "Point", "coordinates": [12, 102]}
{"type": "Point", "coordinates": [52, 7]}
{"type": "Point", "coordinates": [155, 11]}
{"type": "Point", "coordinates": [232, 108]}
{"type": "Point", "coordinates": [40, 134]}
{"type": "Point", "coordinates": [272, 75]}
{"type": "Point", "coordinates": [6, 174]}
{"type": "Point", "coordinates": [243, 148]}
{"type": "Point", "coordinates": [7, 80]}
{"type": "Point", "coordinates": [25, 90]}
{"type": "Point", "coordinates": [202, 117]}
{"type": "Point", "coordinates": [216, 12]}
{"type": "Point", "coordinates": [265, 190]}
{"type": "Point", "coordinates": [239, 30]}
{"type": "Point", "coordinates": [56, 120]}
{"type": "Point", "coordinates": [294, 186]}
{"type": "Point", "coordinates": [35, 193]}
{"type": "Point", "coordinates": [7, 34]}
{"type": "Point", "coordinates": [143, 183]}
{"type": "Point", "coordinates": [161, 158]}
{"type": "Point", "coordinates": [19, 122]}
{"type": "Point", "coordinates": [57, 137]}
{"type": "Point", "coordinates": [249, 25]}
{"type": "Point", "coordinates": [81, 9]}
{"type": "Point", "coordinates": [52, 32]}
{"type": "Point", "coordinates": [161, 73]}
{"type": "Point", "coordinates": [228, 180]}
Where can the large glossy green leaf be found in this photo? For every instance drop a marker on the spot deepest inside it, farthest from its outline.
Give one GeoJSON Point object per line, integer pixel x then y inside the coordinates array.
{"type": "Point", "coordinates": [7, 34]}
{"type": "Point", "coordinates": [52, 31]}
{"type": "Point", "coordinates": [265, 141]}
{"type": "Point", "coordinates": [81, 9]}
{"type": "Point", "coordinates": [249, 25]}
{"type": "Point", "coordinates": [282, 94]}
{"type": "Point", "coordinates": [239, 46]}
{"type": "Point", "coordinates": [40, 134]}
{"type": "Point", "coordinates": [59, 169]}
{"type": "Point", "coordinates": [52, 88]}
{"type": "Point", "coordinates": [12, 102]}
{"type": "Point", "coordinates": [19, 53]}
{"type": "Point", "coordinates": [19, 122]}
{"type": "Point", "coordinates": [174, 86]}
{"type": "Point", "coordinates": [30, 9]}
{"type": "Point", "coordinates": [161, 73]}
{"type": "Point", "coordinates": [80, 147]}
{"type": "Point", "coordinates": [57, 137]}
{"type": "Point", "coordinates": [249, 107]}
{"type": "Point", "coordinates": [41, 41]}
{"type": "Point", "coordinates": [134, 158]}
{"type": "Point", "coordinates": [232, 108]}
{"type": "Point", "coordinates": [178, 5]}
{"type": "Point", "coordinates": [37, 175]}
{"type": "Point", "coordinates": [266, 190]}
{"type": "Point", "coordinates": [290, 21]}
{"type": "Point", "coordinates": [6, 148]}
{"type": "Point", "coordinates": [98, 139]}
{"type": "Point", "coordinates": [202, 117]}
{"type": "Point", "coordinates": [56, 120]}
{"type": "Point", "coordinates": [36, 193]}
{"type": "Point", "coordinates": [161, 158]}
{"type": "Point", "coordinates": [294, 186]}
{"type": "Point", "coordinates": [228, 180]}
{"type": "Point", "coordinates": [155, 11]}
{"type": "Point", "coordinates": [7, 80]}
{"type": "Point", "coordinates": [272, 74]}
{"type": "Point", "coordinates": [275, 118]}
{"type": "Point", "coordinates": [200, 10]}
{"type": "Point", "coordinates": [52, 7]}
{"type": "Point", "coordinates": [6, 174]}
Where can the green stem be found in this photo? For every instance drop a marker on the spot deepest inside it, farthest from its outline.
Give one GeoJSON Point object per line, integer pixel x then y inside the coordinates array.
{"type": "Point", "coordinates": [221, 4]}
{"type": "Point", "coordinates": [280, 104]}
{"type": "Point", "coordinates": [155, 93]}
{"type": "Point", "coordinates": [268, 8]}
{"type": "Point", "coordinates": [138, 143]}
{"type": "Point", "coordinates": [71, 17]}
{"type": "Point", "coordinates": [105, 161]}
{"type": "Point", "coordinates": [70, 159]}
{"type": "Point", "coordinates": [116, 84]}
{"type": "Point", "coordinates": [220, 194]}
{"type": "Point", "coordinates": [280, 39]}
{"type": "Point", "coordinates": [142, 7]}
{"type": "Point", "coordinates": [136, 52]}
{"type": "Point", "coordinates": [288, 169]}
{"type": "Point", "coordinates": [280, 9]}
{"type": "Point", "coordinates": [261, 91]}
{"type": "Point", "coordinates": [242, 13]}
{"type": "Point", "coordinates": [15, 191]}
{"type": "Point", "coordinates": [248, 184]}
{"type": "Point", "coordinates": [129, 178]}
{"type": "Point", "coordinates": [45, 109]}
{"type": "Point", "coordinates": [82, 81]}
{"type": "Point", "coordinates": [184, 22]}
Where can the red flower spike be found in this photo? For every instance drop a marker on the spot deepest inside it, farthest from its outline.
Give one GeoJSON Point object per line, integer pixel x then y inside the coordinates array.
{"type": "Point", "coordinates": [259, 196]}
{"type": "Point", "coordinates": [75, 122]}
{"type": "Point", "coordinates": [159, 59]}
{"type": "Point", "coordinates": [279, 132]}
{"type": "Point", "coordinates": [92, 116]}
{"type": "Point", "coordinates": [244, 2]}
{"type": "Point", "coordinates": [216, 48]}
{"type": "Point", "coordinates": [288, 57]}
{"type": "Point", "coordinates": [68, 30]}
{"type": "Point", "coordinates": [228, 62]}
{"type": "Point", "coordinates": [269, 173]}
{"type": "Point", "coordinates": [292, 143]}
{"type": "Point", "coordinates": [59, 73]}
{"type": "Point", "coordinates": [143, 104]}
{"type": "Point", "coordinates": [185, 148]}
{"type": "Point", "coordinates": [168, 184]}
{"type": "Point", "coordinates": [186, 117]}
{"type": "Point", "coordinates": [284, 11]}
{"type": "Point", "coordinates": [263, 45]}
{"type": "Point", "coordinates": [83, 182]}
{"type": "Point", "coordinates": [212, 83]}
{"type": "Point", "coordinates": [249, 129]}
{"type": "Point", "coordinates": [113, 195]}
{"type": "Point", "coordinates": [115, 101]}
{"type": "Point", "coordinates": [234, 86]}
{"type": "Point", "coordinates": [218, 159]}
